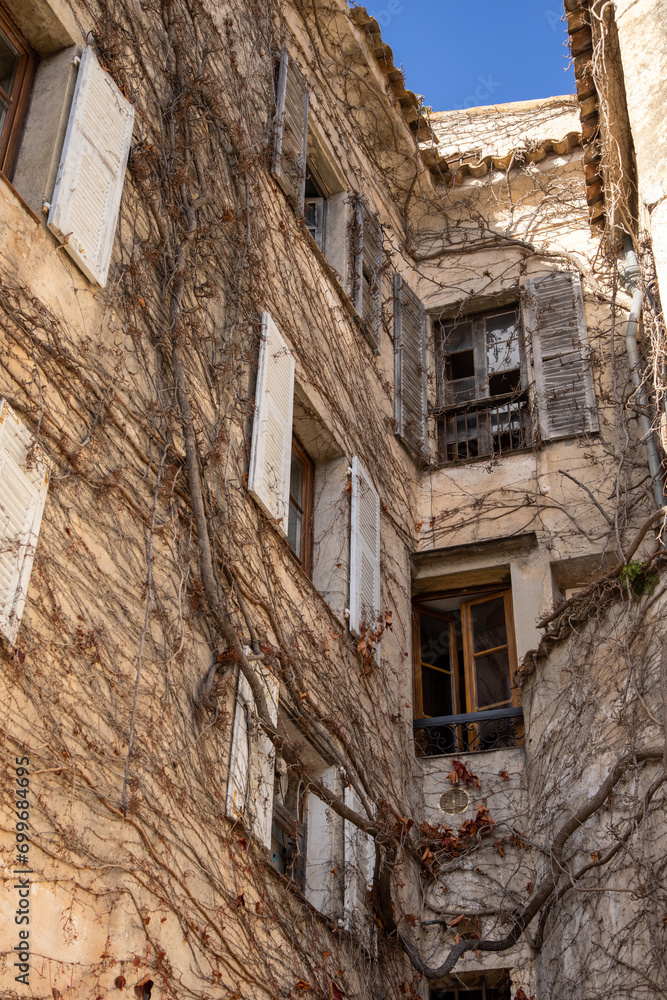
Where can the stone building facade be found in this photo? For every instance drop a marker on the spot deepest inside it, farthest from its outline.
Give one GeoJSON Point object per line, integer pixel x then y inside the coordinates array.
{"type": "Point", "coordinates": [331, 657]}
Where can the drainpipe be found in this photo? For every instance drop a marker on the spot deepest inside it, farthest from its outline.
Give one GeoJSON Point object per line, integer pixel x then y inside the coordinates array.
{"type": "Point", "coordinates": [630, 276]}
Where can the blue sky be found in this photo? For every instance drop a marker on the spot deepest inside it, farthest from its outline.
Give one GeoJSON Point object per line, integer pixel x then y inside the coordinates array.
{"type": "Point", "coordinates": [461, 53]}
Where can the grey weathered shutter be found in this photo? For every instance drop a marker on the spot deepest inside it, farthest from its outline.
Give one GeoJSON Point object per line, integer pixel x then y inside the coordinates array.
{"type": "Point", "coordinates": [364, 550]}
{"type": "Point", "coordinates": [271, 451]}
{"type": "Point", "coordinates": [89, 183]}
{"type": "Point", "coordinates": [24, 481]}
{"type": "Point", "coordinates": [555, 320]}
{"type": "Point", "coordinates": [409, 366]}
{"type": "Point", "coordinates": [359, 860]}
{"type": "Point", "coordinates": [252, 759]}
{"type": "Point", "coordinates": [290, 134]}
{"type": "Point", "coordinates": [367, 270]}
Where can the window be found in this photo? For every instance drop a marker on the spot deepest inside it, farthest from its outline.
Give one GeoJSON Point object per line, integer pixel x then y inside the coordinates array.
{"type": "Point", "coordinates": [299, 522]}
{"type": "Point", "coordinates": [476, 987]}
{"type": "Point", "coordinates": [288, 830]}
{"type": "Point", "coordinates": [465, 657]}
{"type": "Point", "coordinates": [17, 67]}
{"type": "Point", "coordinates": [482, 400]}
{"type": "Point", "coordinates": [315, 209]}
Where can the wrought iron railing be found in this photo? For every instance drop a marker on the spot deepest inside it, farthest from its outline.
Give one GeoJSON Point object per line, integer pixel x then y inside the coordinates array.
{"type": "Point", "coordinates": [450, 734]}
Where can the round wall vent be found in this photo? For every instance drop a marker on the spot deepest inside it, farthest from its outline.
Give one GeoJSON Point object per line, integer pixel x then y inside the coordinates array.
{"type": "Point", "coordinates": [454, 800]}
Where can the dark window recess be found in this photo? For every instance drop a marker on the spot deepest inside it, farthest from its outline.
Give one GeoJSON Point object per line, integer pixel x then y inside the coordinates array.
{"type": "Point", "coordinates": [464, 663]}
{"type": "Point", "coordinates": [299, 525]}
{"type": "Point", "coordinates": [288, 832]}
{"type": "Point", "coordinates": [17, 68]}
{"type": "Point", "coordinates": [482, 399]}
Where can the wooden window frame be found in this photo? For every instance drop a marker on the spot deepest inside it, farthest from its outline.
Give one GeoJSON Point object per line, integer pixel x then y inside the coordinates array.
{"type": "Point", "coordinates": [469, 694]}
{"type": "Point", "coordinates": [18, 102]}
{"type": "Point", "coordinates": [305, 556]}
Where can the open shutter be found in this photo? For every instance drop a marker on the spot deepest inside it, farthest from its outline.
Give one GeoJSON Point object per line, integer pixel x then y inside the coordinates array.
{"type": "Point", "coordinates": [290, 133]}
{"type": "Point", "coordinates": [364, 550]}
{"type": "Point", "coordinates": [24, 481]}
{"type": "Point", "coordinates": [563, 377]}
{"type": "Point", "coordinates": [321, 861]}
{"type": "Point", "coordinates": [409, 366]}
{"type": "Point", "coordinates": [252, 759]}
{"type": "Point", "coordinates": [89, 183]}
{"type": "Point", "coordinates": [367, 270]}
{"type": "Point", "coordinates": [271, 451]}
{"type": "Point", "coordinates": [359, 862]}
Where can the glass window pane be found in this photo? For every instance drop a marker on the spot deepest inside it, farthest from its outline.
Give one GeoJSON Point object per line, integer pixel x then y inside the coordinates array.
{"type": "Point", "coordinates": [436, 656]}
{"type": "Point", "coordinates": [9, 60]}
{"type": "Point", "coordinates": [458, 338]}
{"type": "Point", "coordinates": [492, 677]}
{"type": "Point", "coordinates": [296, 481]}
{"type": "Point", "coordinates": [294, 529]}
{"type": "Point", "coordinates": [502, 342]}
{"type": "Point", "coordinates": [3, 112]}
{"type": "Point", "coordinates": [488, 624]}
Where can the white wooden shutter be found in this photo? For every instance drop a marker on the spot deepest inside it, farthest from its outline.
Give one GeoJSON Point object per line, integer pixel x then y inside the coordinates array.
{"type": "Point", "coordinates": [290, 133]}
{"type": "Point", "coordinates": [252, 758]}
{"type": "Point", "coordinates": [321, 862]}
{"type": "Point", "coordinates": [367, 270]}
{"type": "Point", "coordinates": [359, 863]}
{"type": "Point", "coordinates": [364, 550]}
{"type": "Point", "coordinates": [89, 183]}
{"type": "Point", "coordinates": [271, 451]}
{"type": "Point", "coordinates": [409, 366]}
{"type": "Point", "coordinates": [24, 481]}
{"type": "Point", "coordinates": [554, 310]}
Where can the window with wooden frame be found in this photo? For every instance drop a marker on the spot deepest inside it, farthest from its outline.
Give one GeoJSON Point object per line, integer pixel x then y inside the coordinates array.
{"type": "Point", "coordinates": [464, 663]}
{"type": "Point", "coordinates": [475, 986]}
{"type": "Point", "coordinates": [17, 69]}
{"type": "Point", "coordinates": [300, 518]}
{"type": "Point", "coordinates": [288, 829]}
{"type": "Point", "coordinates": [482, 386]}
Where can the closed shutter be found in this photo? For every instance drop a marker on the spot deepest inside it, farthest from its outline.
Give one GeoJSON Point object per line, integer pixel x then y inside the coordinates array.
{"type": "Point", "coordinates": [89, 183]}
{"type": "Point", "coordinates": [359, 862]}
{"type": "Point", "coordinates": [409, 366]}
{"type": "Point", "coordinates": [367, 270]}
{"type": "Point", "coordinates": [271, 451]}
{"type": "Point", "coordinates": [555, 319]}
{"type": "Point", "coordinates": [321, 885]}
{"type": "Point", "coordinates": [364, 551]}
{"type": "Point", "coordinates": [252, 759]}
{"type": "Point", "coordinates": [24, 481]}
{"type": "Point", "coordinates": [290, 133]}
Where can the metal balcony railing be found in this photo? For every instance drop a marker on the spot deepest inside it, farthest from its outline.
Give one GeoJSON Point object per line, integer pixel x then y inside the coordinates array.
{"type": "Point", "coordinates": [451, 734]}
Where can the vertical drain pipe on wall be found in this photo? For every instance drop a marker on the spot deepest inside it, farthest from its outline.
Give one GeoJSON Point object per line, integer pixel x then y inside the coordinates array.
{"type": "Point", "coordinates": [631, 275]}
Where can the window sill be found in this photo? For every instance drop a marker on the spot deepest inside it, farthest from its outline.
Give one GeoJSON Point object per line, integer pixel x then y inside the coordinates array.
{"type": "Point", "coordinates": [457, 463]}
{"type": "Point", "coordinates": [20, 199]}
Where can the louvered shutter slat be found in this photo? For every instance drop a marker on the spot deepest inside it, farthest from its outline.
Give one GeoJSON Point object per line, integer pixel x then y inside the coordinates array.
{"type": "Point", "coordinates": [24, 476]}
{"type": "Point", "coordinates": [563, 377]}
{"type": "Point", "coordinates": [409, 366]}
{"type": "Point", "coordinates": [89, 184]}
{"type": "Point", "coordinates": [290, 135]}
{"type": "Point", "coordinates": [364, 550]}
{"type": "Point", "coordinates": [271, 452]}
